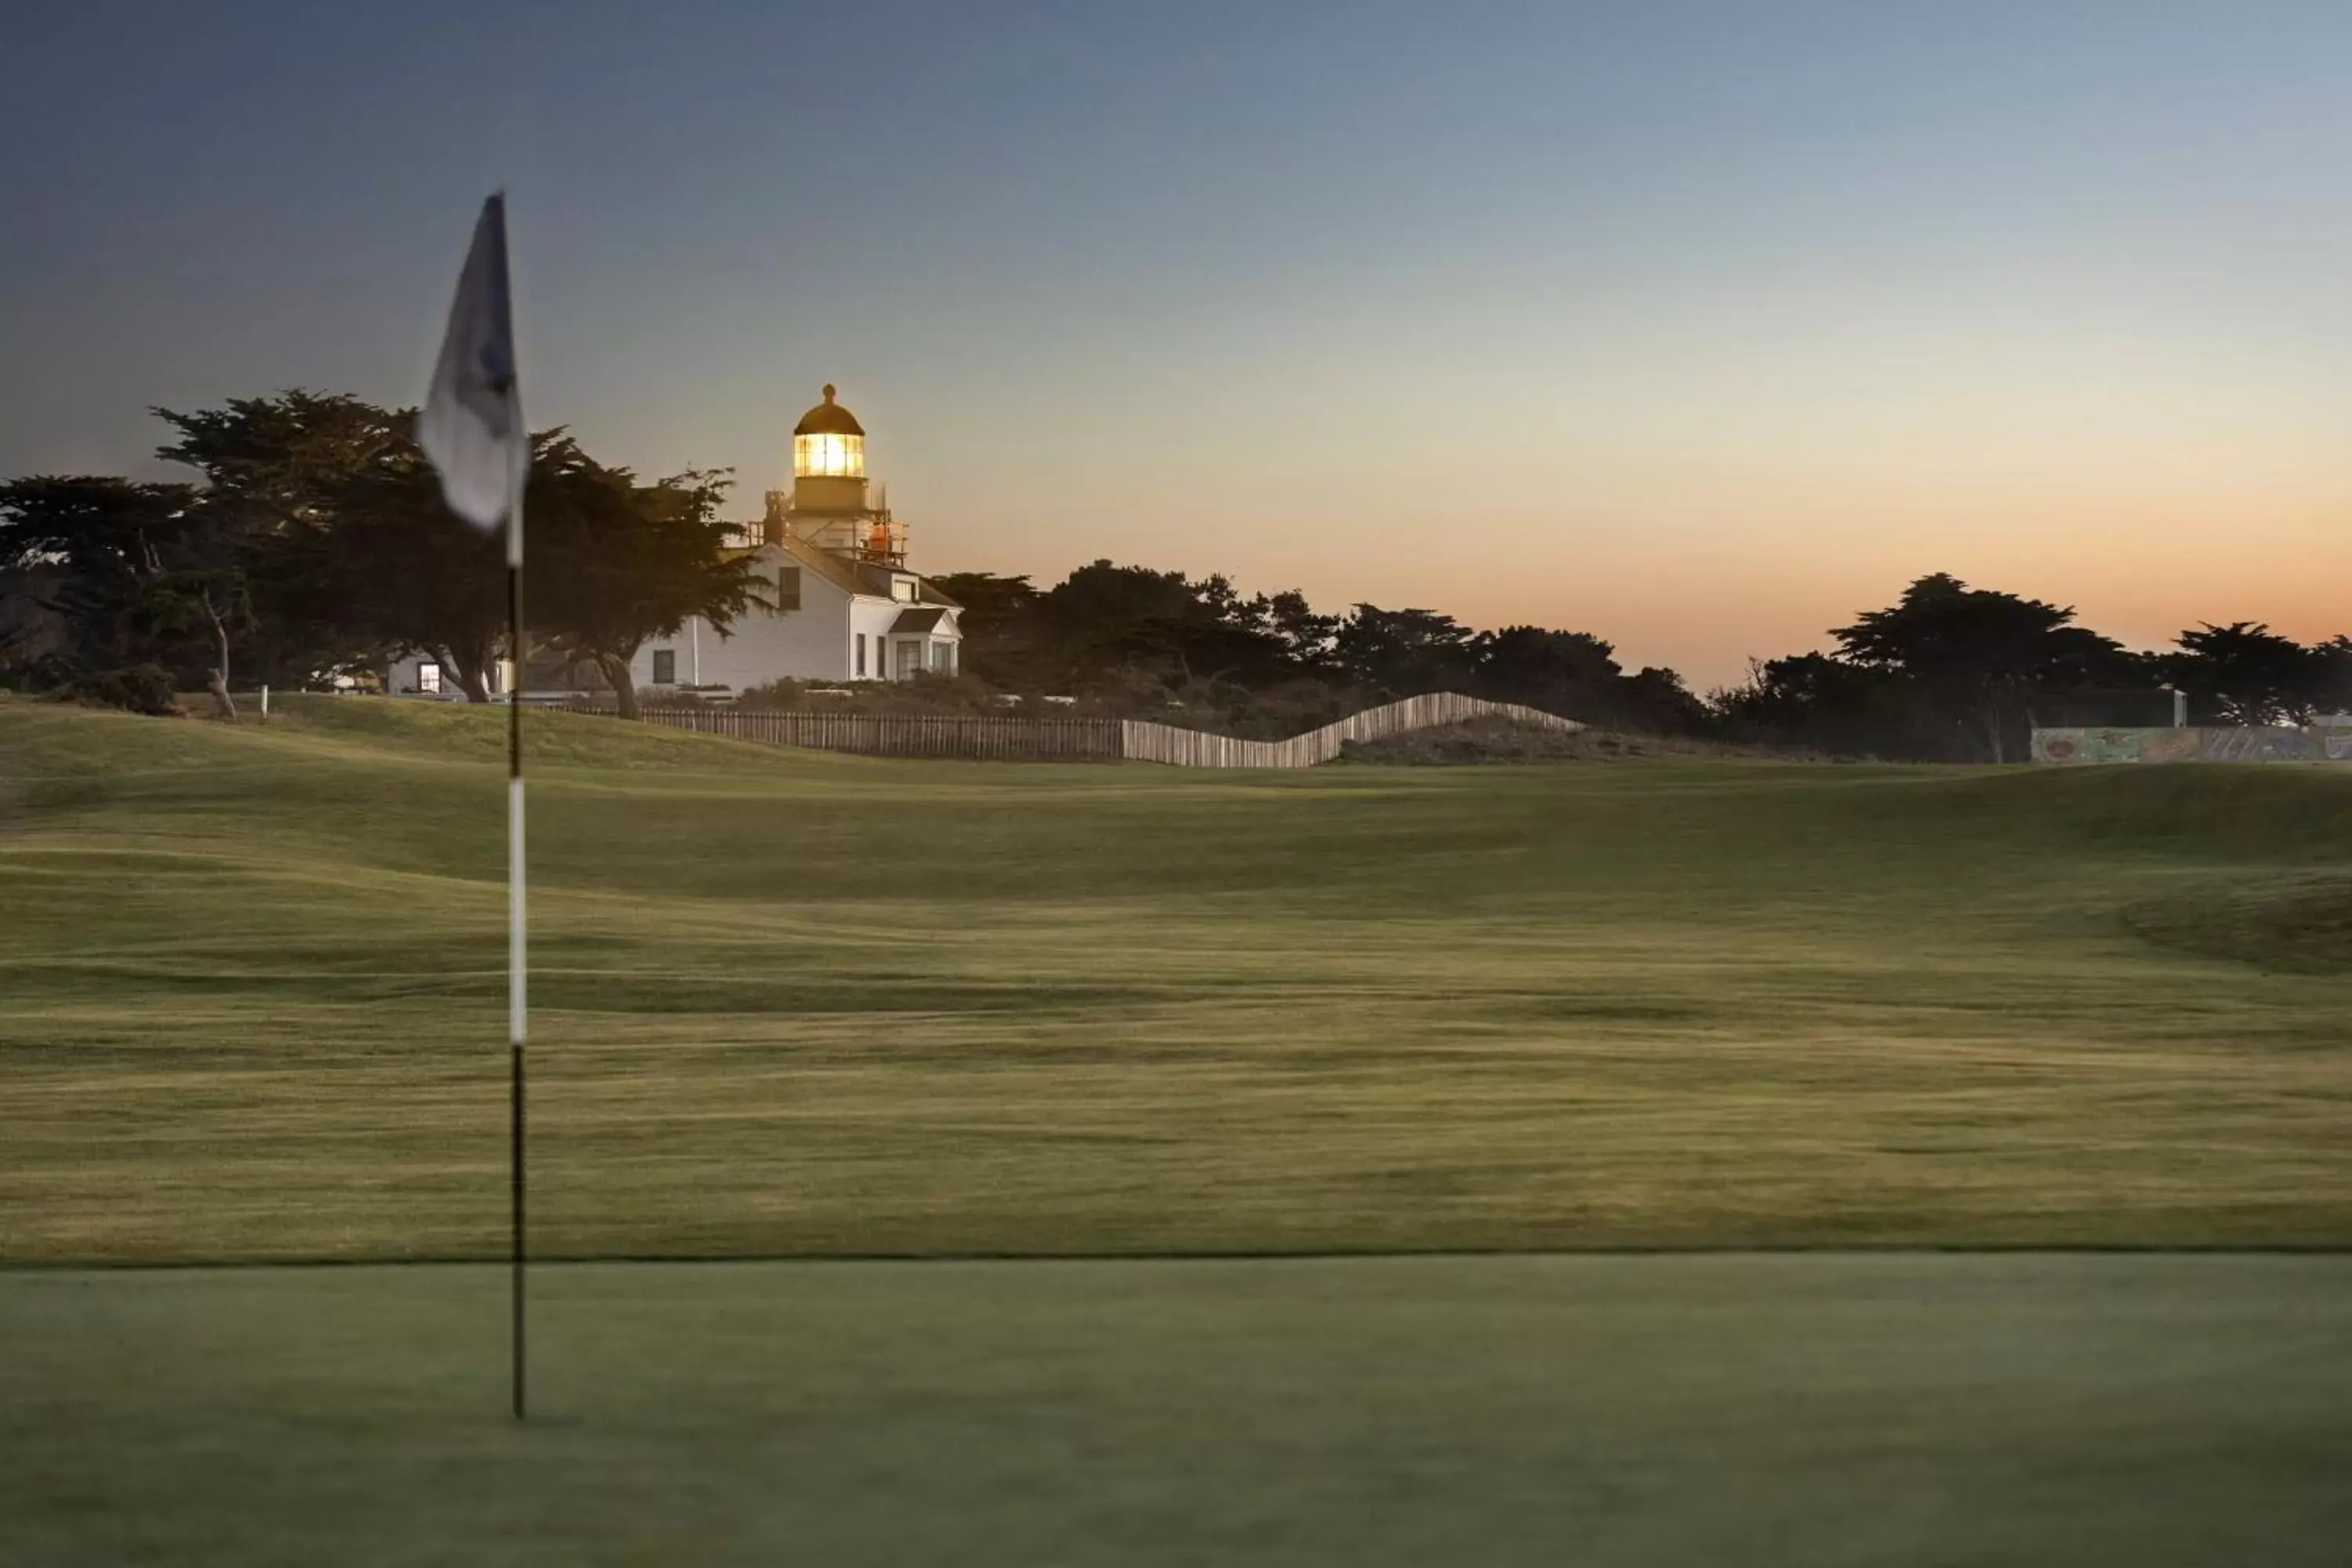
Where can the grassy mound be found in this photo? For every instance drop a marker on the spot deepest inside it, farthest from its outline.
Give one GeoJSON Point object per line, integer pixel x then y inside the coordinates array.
{"type": "Point", "coordinates": [800, 1003]}
{"type": "Point", "coordinates": [2193, 812]}
{"type": "Point", "coordinates": [1492, 740]}
{"type": "Point", "coordinates": [2276, 920]}
{"type": "Point", "coordinates": [59, 740]}
{"type": "Point", "coordinates": [463, 732]}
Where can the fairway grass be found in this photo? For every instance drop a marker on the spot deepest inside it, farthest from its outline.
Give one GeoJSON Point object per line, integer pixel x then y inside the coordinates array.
{"type": "Point", "coordinates": [2082, 1411]}
{"type": "Point", "coordinates": [789, 1003]}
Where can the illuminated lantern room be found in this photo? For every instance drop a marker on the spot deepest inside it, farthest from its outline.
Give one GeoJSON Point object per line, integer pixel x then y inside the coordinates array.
{"type": "Point", "coordinates": [830, 505]}
{"type": "Point", "coordinates": [828, 443]}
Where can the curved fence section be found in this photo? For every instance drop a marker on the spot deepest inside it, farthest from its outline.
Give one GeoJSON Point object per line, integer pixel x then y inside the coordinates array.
{"type": "Point", "coordinates": [1149, 742]}
{"type": "Point", "coordinates": [1085, 739]}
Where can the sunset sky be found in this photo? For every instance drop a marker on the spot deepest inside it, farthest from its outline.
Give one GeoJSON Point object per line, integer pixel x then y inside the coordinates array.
{"type": "Point", "coordinates": [1699, 327]}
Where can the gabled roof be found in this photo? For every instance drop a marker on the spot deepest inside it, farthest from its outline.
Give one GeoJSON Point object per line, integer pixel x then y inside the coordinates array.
{"type": "Point", "coordinates": [826, 564]}
{"type": "Point", "coordinates": [862, 578]}
{"type": "Point", "coordinates": [911, 622]}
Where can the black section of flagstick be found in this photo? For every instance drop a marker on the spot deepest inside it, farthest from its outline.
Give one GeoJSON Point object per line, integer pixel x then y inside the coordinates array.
{"type": "Point", "coordinates": [516, 1163]}
{"type": "Point", "coordinates": [515, 1104]}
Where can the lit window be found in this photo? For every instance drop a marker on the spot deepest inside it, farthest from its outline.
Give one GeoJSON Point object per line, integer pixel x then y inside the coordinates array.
{"type": "Point", "coordinates": [665, 667]}
{"type": "Point", "coordinates": [788, 588]}
{"type": "Point", "coordinates": [429, 679]}
{"type": "Point", "coordinates": [829, 457]}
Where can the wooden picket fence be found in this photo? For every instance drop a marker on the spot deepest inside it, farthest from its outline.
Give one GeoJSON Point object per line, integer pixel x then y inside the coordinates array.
{"type": "Point", "coordinates": [1084, 740]}
{"type": "Point", "coordinates": [907, 734]}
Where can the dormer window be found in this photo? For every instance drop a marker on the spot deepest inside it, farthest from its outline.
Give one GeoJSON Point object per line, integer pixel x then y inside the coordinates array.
{"type": "Point", "coordinates": [903, 589]}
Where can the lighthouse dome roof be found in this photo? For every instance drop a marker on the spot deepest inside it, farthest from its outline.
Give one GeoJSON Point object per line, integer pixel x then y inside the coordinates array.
{"type": "Point", "coordinates": [828, 418]}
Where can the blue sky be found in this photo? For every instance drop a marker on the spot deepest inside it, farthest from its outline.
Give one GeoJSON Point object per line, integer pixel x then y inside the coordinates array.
{"type": "Point", "coordinates": [1696, 326]}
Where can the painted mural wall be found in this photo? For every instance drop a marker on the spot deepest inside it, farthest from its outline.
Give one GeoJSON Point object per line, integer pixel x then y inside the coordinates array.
{"type": "Point", "coordinates": [2274, 744]}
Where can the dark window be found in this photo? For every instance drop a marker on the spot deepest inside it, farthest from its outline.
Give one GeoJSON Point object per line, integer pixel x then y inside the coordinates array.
{"type": "Point", "coordinates": [861, 656]}
{"type": "Point", "coordinates": [665, 667]}
{"type": "Point", "coordinates": [788, 588]}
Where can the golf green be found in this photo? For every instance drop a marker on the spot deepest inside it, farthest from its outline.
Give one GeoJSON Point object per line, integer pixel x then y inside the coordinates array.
{"type": "Point", "coordinates": [1815, 1409]}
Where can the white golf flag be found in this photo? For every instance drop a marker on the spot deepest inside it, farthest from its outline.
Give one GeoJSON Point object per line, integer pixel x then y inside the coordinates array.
{"type": "Point", "coordinates": [472, 424]}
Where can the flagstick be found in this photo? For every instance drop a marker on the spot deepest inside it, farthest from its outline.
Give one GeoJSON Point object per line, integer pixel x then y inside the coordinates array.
{"type": "Point", "coordinates": [516, 1009]}
{"type": "Point", "coordinates": [471, 430]}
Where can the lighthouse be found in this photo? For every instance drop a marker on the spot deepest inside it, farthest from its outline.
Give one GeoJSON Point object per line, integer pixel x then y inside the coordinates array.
{"type": "Point", "coordinates": [831, 504]}
{"type": "Point", "coordinates": [837, 603]}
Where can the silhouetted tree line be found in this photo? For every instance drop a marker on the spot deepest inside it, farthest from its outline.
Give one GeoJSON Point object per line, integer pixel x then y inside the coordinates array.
{"type": "Point", "coordinates": [1273, 664]}
{"type": "Point", "coordinates": [1956, 673]}
{"type": "Point", "coordinates": [1949, 673]}
{"type": "Point", "coordinates": [311, 541]}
